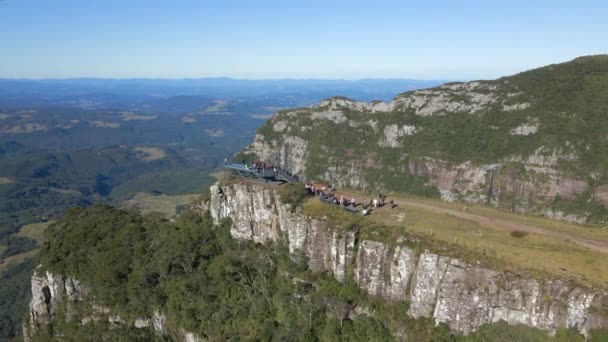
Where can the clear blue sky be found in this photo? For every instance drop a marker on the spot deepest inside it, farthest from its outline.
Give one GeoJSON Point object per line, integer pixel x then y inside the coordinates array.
{"type": "Point", "coordinates": [456, 39]}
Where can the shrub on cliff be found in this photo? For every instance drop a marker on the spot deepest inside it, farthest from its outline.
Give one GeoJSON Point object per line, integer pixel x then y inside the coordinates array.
{"type": "Point", "coordinates": [293, 194]}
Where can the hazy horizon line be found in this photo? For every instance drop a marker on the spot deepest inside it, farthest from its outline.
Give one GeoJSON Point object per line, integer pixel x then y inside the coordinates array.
{"type": "Point", "coordinates": [231, 78]}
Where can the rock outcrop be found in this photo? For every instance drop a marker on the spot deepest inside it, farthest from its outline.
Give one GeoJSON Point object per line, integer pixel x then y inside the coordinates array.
{"type": "Point", "coordinates": [48, 291]}
{"type": "Point", "coordinates": [258, 214]}
{"type": "Point", "coordinates": [468, 97]}
{"type": "Point", "coordinates": [52, 292]}
{"type": "Point", "coordinates": [462, 295]}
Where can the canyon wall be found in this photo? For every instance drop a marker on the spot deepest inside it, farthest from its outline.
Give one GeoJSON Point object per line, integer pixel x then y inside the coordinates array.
{"type": "Point", "coordinates": [462, 295]}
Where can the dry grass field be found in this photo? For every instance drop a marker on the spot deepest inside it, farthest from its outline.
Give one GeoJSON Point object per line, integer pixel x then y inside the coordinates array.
{"type": "Point", "coordinates": [163, 204]}
{"type": "Point", "coordinates": [130, 116]}
{"type": "Point", "coordinates": [34, 231]}
{"type": "Point", "coordinates": [150, 153]}
{"type": "Point", "coordinates": [5, 180]}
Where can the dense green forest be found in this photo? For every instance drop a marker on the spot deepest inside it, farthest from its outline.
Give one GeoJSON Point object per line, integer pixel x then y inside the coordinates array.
{"type": "Point", "coordinates": [219, 288]}
{"type": "Point", "coordinates": [14, 294]}
{"type": "Point", "coordinates": [43, 185]}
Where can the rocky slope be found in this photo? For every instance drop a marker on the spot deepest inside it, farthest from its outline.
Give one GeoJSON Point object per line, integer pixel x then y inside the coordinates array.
{"type": "Point", "coordinates": [462, 295]}
{"type": "Point", "coordinates": [531, 142]}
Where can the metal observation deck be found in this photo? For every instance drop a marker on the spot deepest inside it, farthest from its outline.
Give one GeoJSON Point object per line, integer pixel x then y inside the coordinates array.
{"type": "Point", "coordinates": [268, 175]}
{"type": "Point", "coordinates": [277, 176]}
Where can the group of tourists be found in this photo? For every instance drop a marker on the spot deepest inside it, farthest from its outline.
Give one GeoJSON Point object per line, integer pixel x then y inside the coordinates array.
{"type": "Point", "coordinates": [260, 167]}
{"type": "Point", "coordinates": [328, 195]}
{"type": "Point", "coordinates": [378, 202]}
{"type": "Point", "coordinates": [256, 165]}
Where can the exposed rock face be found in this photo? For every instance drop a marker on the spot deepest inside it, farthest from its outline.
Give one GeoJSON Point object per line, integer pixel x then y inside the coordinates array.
{"type": "Point", "coordinates": [451, 180]}
{"type": "Point", "coordinates": [401, 269]}
{"type": "Point", "coordinates": [290, 153]}
{"type": "Point", "coordinates": [468, 97]}
{"type": "Point", "coordinates": [485, 183]}
{"type": "Point", "coordinates": [560, 215]}
{"type": "Point", "coordinates": [332, 115]}
{"type": "Point", "coordinates": [375, 261]}
{"type": "Point", "coordinates": [51, 291]}
{"type": "Point", "coordinates": [48, 290]}
{"type": "Point", "coordinates": [458, 97]}
{"type": "Point", "coordinates": [370, 271]}
{"type": "Point", "coordinates": [337, 103]}
{"type": "Point", "coordinates": [258, 214]}
{"type": "Point", "coordinates": [485, 296]}
{"type": "Point", "coordinates": [462, 295]}
{"type": "Point", "coordinates": [428, 278]}
{"type": "Point", "coordinates": [515, 106]}
{"type": "Point", "coordinates": [392, 133]}
{"type": "Point", "coordinates": [601, 195]}
{"type": "Point", "coordinates": [525, 129]}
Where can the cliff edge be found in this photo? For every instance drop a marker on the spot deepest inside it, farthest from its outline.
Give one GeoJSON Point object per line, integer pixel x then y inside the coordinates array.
{"type": "Point", "coordinates": [462, 295]}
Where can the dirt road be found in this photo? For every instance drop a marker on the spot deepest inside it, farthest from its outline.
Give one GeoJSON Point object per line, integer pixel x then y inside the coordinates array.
{"type": "Point", "coordinates": [507, 225]}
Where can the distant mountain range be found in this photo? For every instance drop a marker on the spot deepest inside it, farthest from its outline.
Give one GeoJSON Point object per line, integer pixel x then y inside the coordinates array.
{"type": "Point", "coordinates": [15, 91]}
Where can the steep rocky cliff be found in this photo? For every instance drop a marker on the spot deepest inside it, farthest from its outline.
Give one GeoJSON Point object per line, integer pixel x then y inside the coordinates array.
{"type": "Point", "coordinates": [531, 142]}
{"type": "Point", "coordinates": [465, 296]}
{"type": "Point", "coordinates": [462, 295]}
{"type": "Point", "coordinates": [258, 214]}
